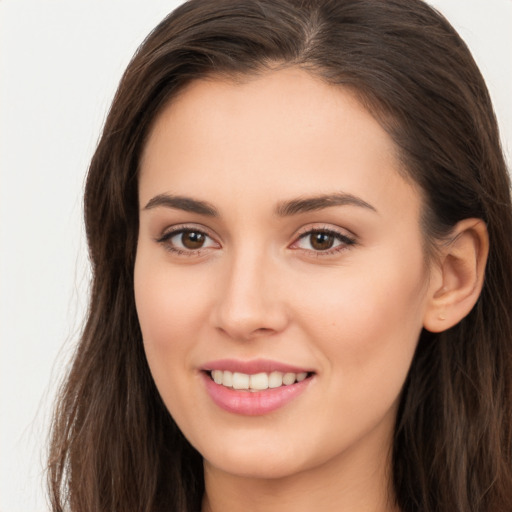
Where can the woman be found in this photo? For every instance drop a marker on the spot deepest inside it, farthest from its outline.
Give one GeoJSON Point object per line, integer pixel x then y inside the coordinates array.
{"type": "Point", "coordinates": [299, 222]}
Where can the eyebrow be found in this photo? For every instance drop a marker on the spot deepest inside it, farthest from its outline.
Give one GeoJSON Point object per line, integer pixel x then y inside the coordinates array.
{"type": "Point", "coordinates": [182, 203]}
{"type": "Point", "coordinates": [283, 209]}
{"type": "Point", "coordinates": [315, 203]}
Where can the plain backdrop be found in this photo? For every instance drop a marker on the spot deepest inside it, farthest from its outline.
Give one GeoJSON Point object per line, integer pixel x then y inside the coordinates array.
{"type": "Point", "coordinates": [60, 61]}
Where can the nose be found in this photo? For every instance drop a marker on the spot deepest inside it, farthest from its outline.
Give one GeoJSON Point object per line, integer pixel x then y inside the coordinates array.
{"type": "Point", "coordinates": [249, 301]}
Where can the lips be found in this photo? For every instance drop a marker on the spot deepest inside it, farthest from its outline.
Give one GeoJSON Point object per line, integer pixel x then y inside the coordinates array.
{"type": "Point", "coordinates": [254, 387]}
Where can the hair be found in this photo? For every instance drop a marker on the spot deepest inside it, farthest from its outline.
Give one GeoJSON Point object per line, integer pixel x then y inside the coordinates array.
{"type": "Point", "coordinates": [114, 445]}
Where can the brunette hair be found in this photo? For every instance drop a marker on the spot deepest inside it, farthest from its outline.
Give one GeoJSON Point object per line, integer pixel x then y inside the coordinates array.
{"type": "Point", "coordinates": [114, 445]}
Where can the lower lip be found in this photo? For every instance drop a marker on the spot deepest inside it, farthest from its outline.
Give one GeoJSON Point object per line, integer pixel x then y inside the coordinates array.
{"type": "Point", "coordinates": [253, 403]}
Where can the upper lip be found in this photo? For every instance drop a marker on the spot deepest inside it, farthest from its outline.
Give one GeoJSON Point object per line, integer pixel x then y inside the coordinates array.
{"type": "Point", "coordinates": [253, 366]}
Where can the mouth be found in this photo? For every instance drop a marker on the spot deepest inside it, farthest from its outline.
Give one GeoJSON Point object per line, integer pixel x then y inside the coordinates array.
{"type": "Point", "coordinates": [257, 381]}
{"type": "Point", "coordinates": [254, 388]}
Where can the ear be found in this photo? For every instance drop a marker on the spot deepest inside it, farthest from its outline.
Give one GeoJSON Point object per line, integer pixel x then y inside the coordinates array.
{"type": "Point", "coordinates": [457, 275]}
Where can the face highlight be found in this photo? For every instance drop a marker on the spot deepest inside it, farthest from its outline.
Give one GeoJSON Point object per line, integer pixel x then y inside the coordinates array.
{"type": "Point", "coordinates": [280, 279]}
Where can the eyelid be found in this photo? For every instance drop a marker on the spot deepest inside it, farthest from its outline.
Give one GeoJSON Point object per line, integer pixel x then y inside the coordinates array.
{"type": "Point", "coordinates": [346, 238]}
{"type": "Point", "coordinates": [172, 231]}
{"type": "Point", "coordinates": [324, 227]}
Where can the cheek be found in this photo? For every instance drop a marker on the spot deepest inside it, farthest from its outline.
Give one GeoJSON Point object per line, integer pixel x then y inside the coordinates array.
{"type": "Point", "coordinates": [167, 310]}
{"type": "Point", "coordinates": [368, 336]}
{"type": "Point", "coordinates": [368, 319]}
{"type": "Point", "coordinates": [169, 303]}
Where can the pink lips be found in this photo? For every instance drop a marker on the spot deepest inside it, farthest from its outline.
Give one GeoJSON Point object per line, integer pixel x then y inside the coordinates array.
{"type": "Point", "coordinates": [247, 402]}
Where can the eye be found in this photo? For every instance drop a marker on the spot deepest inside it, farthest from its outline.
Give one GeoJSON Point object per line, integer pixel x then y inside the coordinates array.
{"type": "Point", "coordinates": [323, 241]}
{"type": "Point", "coordinates": [187, 240]}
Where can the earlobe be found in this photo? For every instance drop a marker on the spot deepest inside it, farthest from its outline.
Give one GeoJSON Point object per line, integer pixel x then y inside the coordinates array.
{"type": "Point", "coordinates": [459, 273]}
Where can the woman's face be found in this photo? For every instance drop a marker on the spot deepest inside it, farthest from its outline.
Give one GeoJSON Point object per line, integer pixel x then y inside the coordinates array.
{"type": "Point", "coordinates": [278, 242]}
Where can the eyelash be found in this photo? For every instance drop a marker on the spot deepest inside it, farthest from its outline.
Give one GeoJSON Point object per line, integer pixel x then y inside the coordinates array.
{"type": "Point", "coordinates": [344, 240]}
{"type": "Point", "coordinates": [165, 240]}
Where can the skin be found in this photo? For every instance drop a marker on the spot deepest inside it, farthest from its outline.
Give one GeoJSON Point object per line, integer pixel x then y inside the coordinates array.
{"type": "Point", "coordinates": [258, 288]}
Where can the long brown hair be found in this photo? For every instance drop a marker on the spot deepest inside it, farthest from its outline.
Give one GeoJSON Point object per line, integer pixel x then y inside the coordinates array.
{"type": "Point", "coordinates": [114, 445]}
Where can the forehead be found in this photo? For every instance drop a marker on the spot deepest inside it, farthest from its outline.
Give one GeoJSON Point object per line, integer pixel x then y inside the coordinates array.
{"type": "Point", "coordinates": [282, 133]}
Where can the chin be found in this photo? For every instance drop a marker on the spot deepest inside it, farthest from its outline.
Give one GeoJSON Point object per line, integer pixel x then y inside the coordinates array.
{"type": "Point", "coordinates": [268, 459]}
{"type": "Point", "coordinates": [259, 467]}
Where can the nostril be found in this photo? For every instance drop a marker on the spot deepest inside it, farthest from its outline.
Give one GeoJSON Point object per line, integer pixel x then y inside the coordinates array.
{"type": "Point", "coordinates": [263, 330]}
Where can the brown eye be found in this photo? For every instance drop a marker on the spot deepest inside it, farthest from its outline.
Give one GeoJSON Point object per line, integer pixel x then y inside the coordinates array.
{"type": "Point", "coordinates": [192, 239]}
{"type": "Point", "coordinates": [187, 241]}
{"type": "Point", "coordinates": [321, 241]}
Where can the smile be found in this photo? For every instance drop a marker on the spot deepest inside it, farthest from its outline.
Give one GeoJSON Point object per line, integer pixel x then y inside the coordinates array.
{"type": "Point", "coordinates": [254, 388]}
{"type": "Point", "coordinates": [256, 382]}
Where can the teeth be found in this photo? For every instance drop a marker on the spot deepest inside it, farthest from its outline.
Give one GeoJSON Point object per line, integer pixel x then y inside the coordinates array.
{"type": "Point", "coordinates": [301, 376]}
{"type": "Point", "coordinates": [217, 376]}
{"type": "Point", "coordinates": [289, 378]}
{"type": "Point", "coordinates": [257, 381]}
{"type": "Point", "coordinates": [227, 378]}
{"type": "Point", "coordinates": [240, 381]}
{"type": "Point", "coordinates": [275, 380]}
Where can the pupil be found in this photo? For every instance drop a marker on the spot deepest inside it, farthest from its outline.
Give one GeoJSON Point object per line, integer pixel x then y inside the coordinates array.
{"type": "Point", "coordinates": [192, 239]}
{"type": "Point", "coordinates": [322, 241]}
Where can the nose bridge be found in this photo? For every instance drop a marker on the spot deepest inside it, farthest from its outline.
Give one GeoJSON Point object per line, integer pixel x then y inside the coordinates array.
{"type": "Point", "coordinates": [248, 304]}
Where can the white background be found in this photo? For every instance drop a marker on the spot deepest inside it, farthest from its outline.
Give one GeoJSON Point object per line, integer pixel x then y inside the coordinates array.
{"type": "Point", "coordinates": [60, 61]}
